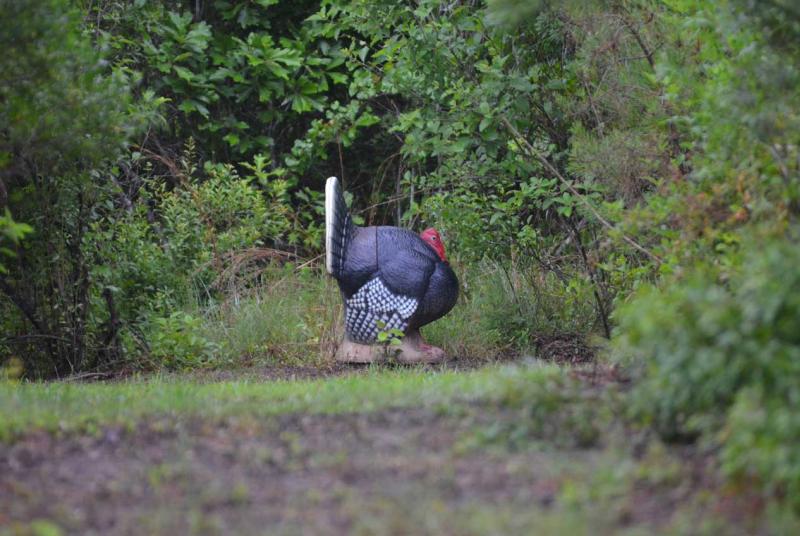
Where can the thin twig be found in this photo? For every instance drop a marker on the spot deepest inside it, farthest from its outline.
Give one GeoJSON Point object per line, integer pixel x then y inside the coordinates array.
{"type": "Point", "coordinates": [341, 159]}
{"type": "Point", "coordinates": [648, 54]}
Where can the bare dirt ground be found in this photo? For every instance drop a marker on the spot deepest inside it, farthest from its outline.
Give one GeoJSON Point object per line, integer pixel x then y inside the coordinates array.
{"type": "Point", "coordinates": [407, 471]}
{"type": "Point", "coordinates": [290, 473]}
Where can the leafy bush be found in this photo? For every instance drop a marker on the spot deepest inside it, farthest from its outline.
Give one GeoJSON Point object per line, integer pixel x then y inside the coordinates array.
{"type": "Point", "coordinates": [683, 341]}
{"type": "Point", "coordinates": [185, 247]}
{"type": "Point", "coordinates": [177, 341]}
{"type": "Point", "coordinates": [724, 360]}
{"type": "Point", "coordinates": [11, 233]}
{"type": "Point", "coordinates": [66, 116]}
{"type": "Point", "coordinates": [760, 440]}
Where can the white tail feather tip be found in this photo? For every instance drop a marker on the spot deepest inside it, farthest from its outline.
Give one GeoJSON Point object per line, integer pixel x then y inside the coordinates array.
{"type": "Point", "coordinates": [331, 186]}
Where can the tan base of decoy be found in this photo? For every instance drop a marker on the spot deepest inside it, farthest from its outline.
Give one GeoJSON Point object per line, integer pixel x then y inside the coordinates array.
{"type": "Point", "coordinates": [412, 349]}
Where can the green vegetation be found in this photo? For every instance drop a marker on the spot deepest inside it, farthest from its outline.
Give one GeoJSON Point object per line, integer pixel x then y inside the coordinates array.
{"type": "Point", "coordinates": [725, 361]}
{"type": "Point", "coordinates": [67, 407]}
{"type": "Point", "coordinates": [620, 174]}
{"type": "Point", "coordinates": [569, 153]}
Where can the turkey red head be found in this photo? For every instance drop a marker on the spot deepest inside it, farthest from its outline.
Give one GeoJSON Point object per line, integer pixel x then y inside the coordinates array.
{"type": "Point", "coordinates": [431, 237]}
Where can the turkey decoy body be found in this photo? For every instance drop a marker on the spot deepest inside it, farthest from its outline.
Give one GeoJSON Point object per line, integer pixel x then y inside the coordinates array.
{"type": "Point", "coordinates": [390, 278]}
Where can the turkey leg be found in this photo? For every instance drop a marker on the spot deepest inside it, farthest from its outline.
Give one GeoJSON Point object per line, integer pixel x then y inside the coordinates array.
{"type": "Point", "coordinates": [353, 352]}
{"type": "Point", "coordinates": [412, 349]}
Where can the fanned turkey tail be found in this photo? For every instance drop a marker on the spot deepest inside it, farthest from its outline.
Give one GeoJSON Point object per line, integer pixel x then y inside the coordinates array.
{"type": "Point", "coordinates": [339, 227]}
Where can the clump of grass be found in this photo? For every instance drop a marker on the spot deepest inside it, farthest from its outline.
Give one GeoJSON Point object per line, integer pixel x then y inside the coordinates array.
{"type": "Point", "coordinates": [556, 409]}
{"type": "Point", "coordinates": [291, 317]}
{"type": "Point", "coordinates": [502, 310]}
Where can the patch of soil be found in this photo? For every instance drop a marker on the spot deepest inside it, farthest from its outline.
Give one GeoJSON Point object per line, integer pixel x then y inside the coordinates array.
{"type": "Point", "coordinates": [564, 349]}
{"type": "Point", "coordinates": [310, 474]}
{"type": "Point", "coordinates": [600, 374]}
{"type": "Point", "coordinates": [698, 475]}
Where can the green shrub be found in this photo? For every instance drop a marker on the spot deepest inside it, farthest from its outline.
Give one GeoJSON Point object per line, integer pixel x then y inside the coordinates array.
{"type": "Point", "coordinates": [177, 341]}
{"type": "Point", "coordinates": [191, 246]}
{"type": "Point", "coordinates": [724, 361]}
{"type": "Point", "coordinates": [11, 233]}
{"type": "Point", "coordinates": [683, 341]}
{"type": "Point", "coordinates": [157, 264]}
{"type": "Point", "coordinates": [761, 436]}
{"type": "Point", "coordinates": [66, 116]}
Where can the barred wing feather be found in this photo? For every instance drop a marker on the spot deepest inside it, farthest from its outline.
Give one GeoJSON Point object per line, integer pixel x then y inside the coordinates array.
{"type": "Point", "coordinates": [373, 306]}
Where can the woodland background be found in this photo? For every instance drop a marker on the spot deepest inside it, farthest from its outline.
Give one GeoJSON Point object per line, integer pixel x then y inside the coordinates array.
{"type": "Point", "coordinates": [618, 172]}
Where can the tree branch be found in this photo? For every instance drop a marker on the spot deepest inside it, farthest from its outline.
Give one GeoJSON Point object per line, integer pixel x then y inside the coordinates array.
{"type": "Point", "coordinates": [22, 304]}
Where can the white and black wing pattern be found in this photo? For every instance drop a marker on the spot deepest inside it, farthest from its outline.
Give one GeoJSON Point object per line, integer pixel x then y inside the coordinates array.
{"type": "Point", "coordinates": [374, 303]}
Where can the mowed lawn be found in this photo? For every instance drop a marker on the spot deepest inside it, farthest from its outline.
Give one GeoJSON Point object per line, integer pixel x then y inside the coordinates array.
{"type": "Point", "coordinates": [499, 450]}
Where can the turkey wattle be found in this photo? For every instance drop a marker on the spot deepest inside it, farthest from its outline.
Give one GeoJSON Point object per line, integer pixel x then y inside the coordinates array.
{"type": "Point", "coordinates": [390, 278]}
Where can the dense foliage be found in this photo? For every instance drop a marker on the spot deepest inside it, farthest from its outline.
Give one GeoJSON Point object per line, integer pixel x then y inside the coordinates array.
{"type": "Point", "coordinates": [724, 359]}
{"type": "Point", "coordinates": [161, 168]}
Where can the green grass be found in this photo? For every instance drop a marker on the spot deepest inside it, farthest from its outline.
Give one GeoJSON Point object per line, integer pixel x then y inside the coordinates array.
{"type": "Point", "coordinates": [292, 317]}
{"type": "Point", "coordinates": [80, 407]}
{"type": "Point", "coordinates": [295, 316]}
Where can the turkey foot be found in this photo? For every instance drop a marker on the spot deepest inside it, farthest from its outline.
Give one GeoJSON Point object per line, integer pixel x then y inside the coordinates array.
{"type": "Point", "coordinates": [412, 349]}
{"type": "Point", "coordinates": [353, 352]}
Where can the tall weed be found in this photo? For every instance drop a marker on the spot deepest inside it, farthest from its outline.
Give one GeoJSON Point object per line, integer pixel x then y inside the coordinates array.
{"type": "Point", "coordinates": [290, 316]}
